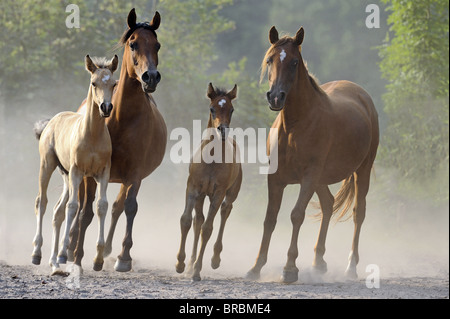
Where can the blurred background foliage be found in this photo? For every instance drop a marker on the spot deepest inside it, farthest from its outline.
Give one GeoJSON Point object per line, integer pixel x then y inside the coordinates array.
{"type": "Point", "coordinates": [403, 64]}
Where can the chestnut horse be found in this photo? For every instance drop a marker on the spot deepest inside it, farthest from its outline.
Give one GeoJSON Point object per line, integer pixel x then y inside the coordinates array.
{"type": "Point", "coordinates": [80, 145]}
{"type": "Point", "coordinates": [326, 134]}
{"type": "Point", "coordinates": [138, 135]}
{"type": "Point", "coordinates": [220, 181]}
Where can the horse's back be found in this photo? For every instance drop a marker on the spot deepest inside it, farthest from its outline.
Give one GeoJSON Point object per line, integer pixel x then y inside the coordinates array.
{"type": "Point", "coordinates": [346, 95]}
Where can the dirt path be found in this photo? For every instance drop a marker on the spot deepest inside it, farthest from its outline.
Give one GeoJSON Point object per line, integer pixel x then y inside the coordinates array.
{"type": "Point", "coordinates": [35, 282]}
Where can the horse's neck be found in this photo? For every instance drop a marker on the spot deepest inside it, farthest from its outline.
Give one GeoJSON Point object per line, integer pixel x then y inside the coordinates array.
{"type": "Point", "coordinates": [93, 123]}
{"type": "Point", "coordinates": [302, 101]}
{"type": "Point", "coordinates": [129, 100]}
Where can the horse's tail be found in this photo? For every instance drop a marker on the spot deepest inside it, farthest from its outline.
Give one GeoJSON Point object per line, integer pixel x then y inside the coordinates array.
{"type": "Point", "coordinates": [344, 198]}
{"type": "Point", "coordinates": [39, 127]}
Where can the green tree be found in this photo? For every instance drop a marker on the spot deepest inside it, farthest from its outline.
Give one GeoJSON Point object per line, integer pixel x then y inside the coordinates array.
{"type": "Point", "coordinates": [415, 61]}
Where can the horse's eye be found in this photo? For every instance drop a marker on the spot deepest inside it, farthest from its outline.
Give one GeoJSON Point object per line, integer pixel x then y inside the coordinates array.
{"type": "Point", "coordinates": [295, 62]}
{"type": "Point", "coordinates": [213, 112]}
{"type": "Point", "coordinates": [133, 46]}
{"type": "Point", "coordinates": [269, 60]}
{"type": "Point", "coordinates": [231, 111]}
{"type": "Point", "coordinates": [157, 46]}
{"type": "Point", "coordinates": [94, 85]}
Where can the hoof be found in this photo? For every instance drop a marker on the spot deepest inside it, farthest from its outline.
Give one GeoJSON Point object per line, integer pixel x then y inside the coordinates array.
{"type": "Point", "coordinates": [180, 267]}
{"type": "Point", "coordinates": [320, 268]}
{"type": "Point", "coordinates": [62, 259]}
{"type": "Point", "coordinates": [289, 276]}
{"type": "Point", "coordinates": [252, 275]}
{"type": "Point", "coordinates": [98, 266]}
{"type": "Point", "coordinates": [36, 260]}
{"type": "Point", "coordinates": [215, 262]}
{"type": "Point", "coordinates": [196, 277]}
{"type": "Point", "coordinates": [122, 265]}
{"type": "Point", "coordinates": [351, 274]}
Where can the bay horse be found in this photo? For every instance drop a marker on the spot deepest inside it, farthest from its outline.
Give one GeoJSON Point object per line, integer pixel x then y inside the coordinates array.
{"type": "Point", "coordinates": [80, 145]}
{"type": "Point", "coordinates": [326, 134]}
{"type": "Point", "coordinates": [138, 135]}
{"type": "Point", "coordinates": [220, 181]}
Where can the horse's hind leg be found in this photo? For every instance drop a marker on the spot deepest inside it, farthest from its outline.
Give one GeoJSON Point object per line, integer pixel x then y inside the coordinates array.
{"type": "Point", "coordinates": [198, 222]}
{"type": "Point", "coordinates": [362, 181]}
{"type": "Point", "coordinates": [225, 211]}
{"type": "Point", "coordinates": [185, 225]}
{"type": "Point", "coordinates": [58, 218]}
{"type": "Point", "coordinates": [47, 166]}
{"type": "Point", "coordinates": [326, 204]}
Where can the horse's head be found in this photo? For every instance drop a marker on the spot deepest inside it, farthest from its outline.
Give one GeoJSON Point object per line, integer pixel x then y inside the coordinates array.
{"type": "Point", "coordinates": [141, 51]}
{"type": "Point", "coordinates": [102, 82]}
{"type": "Point", "coordinates": [281, 62]}
{"type": "Point", "coordinates": [221, 108]}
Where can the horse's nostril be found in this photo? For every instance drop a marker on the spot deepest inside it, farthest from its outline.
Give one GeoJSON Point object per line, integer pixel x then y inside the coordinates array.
{"type": "Point", "coordinates": [268, 95]}
{"type": "Point", "coordinates": [158, 77]}
{"type": "Point", "coordinates": [282, 96]}
{"type": "Point", "coordinates": [145, 77]}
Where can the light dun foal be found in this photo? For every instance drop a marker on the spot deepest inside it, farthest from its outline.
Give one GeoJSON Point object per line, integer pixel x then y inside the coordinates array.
{"type": "Point", "coordinates": [80, 145]}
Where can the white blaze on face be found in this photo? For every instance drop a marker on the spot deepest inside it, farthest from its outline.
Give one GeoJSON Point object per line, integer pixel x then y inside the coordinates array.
{"type": "Point", "coordinates": [105, 78]}
{"type": "Point", "coordinates": [282, 55]}
{"type": "Point", "coordinates": [222, 102]}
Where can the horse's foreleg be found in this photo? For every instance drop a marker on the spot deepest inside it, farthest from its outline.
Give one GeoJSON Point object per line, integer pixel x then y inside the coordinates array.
{"type": "Point", "coordinates": [102, 209]}
{"type": "Point", "coordinates": [290, 271]}
{"type": "Point", "coordinates": [273, 207]}
{"type": "Point", "coordinates": [185, 225]}
{"type": "Point", "coordinates": [206, 232]}
{"type": "Point", "coordinates": [75, 177]}
{"type": "Point", "coordinates": [326, 204]}
{"type": "Point", "coordinates": [117, 210]}
{"type": "Point", "coordinates": [85, 217]}
{"type": "Point", "coordinates": [58, 218]}
{"type": "Point", "coordinates": [199, 219]}
{"type": "Point", "coordinates": [47, 166]}
{"type": "Point", "coordinates": [75, 228]}
{"type": "Point", "coordinates": [123, 262]}
{"type": "Point", "coordinates": [225, 211]}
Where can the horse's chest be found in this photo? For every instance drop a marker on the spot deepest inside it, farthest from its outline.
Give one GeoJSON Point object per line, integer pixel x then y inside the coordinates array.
{"type": "Point", "coordinates": [92, 161]}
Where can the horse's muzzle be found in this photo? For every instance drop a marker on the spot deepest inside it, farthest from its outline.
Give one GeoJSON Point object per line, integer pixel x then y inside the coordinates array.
{"type": "Point", "coordinates": [150, 80]}
{"type": "Point", "coordinates": [276, 100]}
{"type": "Point", "coordinates": [105, 109]}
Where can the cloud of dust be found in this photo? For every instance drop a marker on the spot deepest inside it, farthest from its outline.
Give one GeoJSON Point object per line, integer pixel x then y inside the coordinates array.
{"type": "Point", "coordinates": [399, 236]}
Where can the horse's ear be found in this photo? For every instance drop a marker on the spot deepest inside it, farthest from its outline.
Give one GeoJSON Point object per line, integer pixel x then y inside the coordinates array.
{"type": "Point", "coordinates": [131, 20]}
{"type": "Point", "coordinates": [156, 21]}
{"type": "Point", "coordinates": [299, 36]}
{"type": "Point", "coordinates": [211, 93]}
{"type": "Point", "coordinates": [233, 93]}
{"type": "Point", "coordinates": [114, 63]}
{"type": "Point", "coordinates": [273, 35]}
{"type": "Point", "coordinates": [90, 66]}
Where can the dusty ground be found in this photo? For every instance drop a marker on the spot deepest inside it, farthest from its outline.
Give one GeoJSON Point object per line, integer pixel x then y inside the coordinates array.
{"type": "Point", "coordinates": [35, 282]}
